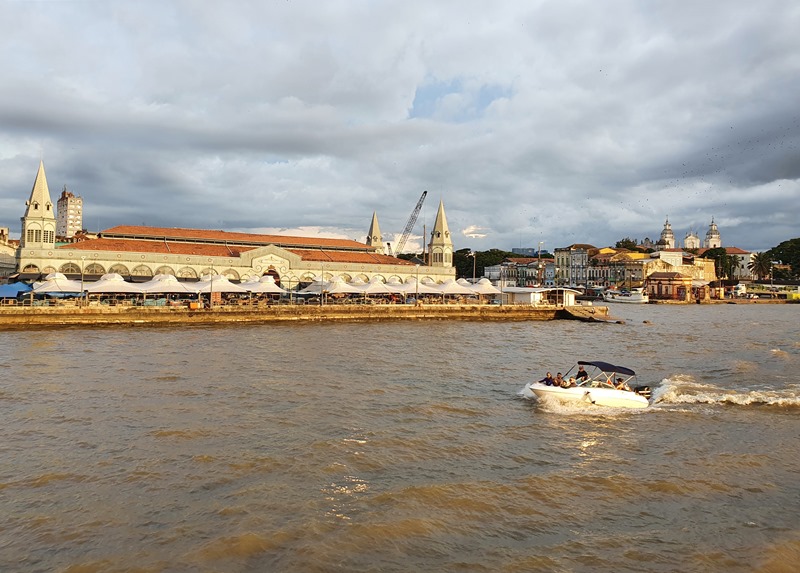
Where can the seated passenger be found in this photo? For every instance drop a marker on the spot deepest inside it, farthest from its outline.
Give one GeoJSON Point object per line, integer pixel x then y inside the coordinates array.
{"type": "Point", "coordinates": [559, 381]}
{"type": "Point", "coordinates": [547, 380]}
{"type": "Point", "coordinates": [622, 385]}
{"type": "Point", "coordinates": [569, 383]}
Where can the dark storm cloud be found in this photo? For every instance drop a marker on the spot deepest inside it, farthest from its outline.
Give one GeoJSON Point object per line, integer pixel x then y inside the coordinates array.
{"type": "Point", "coordinates": [533, 121]}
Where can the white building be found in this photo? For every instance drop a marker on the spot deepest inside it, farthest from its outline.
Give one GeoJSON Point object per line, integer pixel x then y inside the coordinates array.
{"type": "Point", "coordinates": [139, 252]}
{"type": "Point", "coordinates": [69, 215]}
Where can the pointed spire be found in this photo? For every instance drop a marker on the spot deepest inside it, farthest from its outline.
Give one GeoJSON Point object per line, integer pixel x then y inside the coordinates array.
{"type": "Point", "coordinates": [374, 237]}
{"type": "Point", "coordinates": [441, 245]}
{"type": "Point", "coordinates": [440, 228]}
{"type": "Point", "coordinates": [39, 222]}
{"type": "Point", "coordinates": [39, 204]}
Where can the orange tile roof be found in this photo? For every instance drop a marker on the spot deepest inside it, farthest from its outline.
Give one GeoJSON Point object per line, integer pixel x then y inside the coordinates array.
{"type": "Point", "coordinates": [217, 250]}
{"type": "Point", "coordinates": [141, 232]}
{"type": "Point", "coordinates": [521, 260]}
{"type": "Point", "coordinates": [728, 250]}
{"type": "Point", "coordinates": [349, 257]}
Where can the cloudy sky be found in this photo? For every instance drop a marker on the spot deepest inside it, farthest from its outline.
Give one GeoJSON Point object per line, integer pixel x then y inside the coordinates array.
{"type": "Point", "coordinates": [562, 122]}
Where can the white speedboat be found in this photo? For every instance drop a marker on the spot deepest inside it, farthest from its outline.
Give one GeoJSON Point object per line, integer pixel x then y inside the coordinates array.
{"type": "Point", "coordinates": [607, 385]}
{"type": "Point", "coordinates": [634, 296]}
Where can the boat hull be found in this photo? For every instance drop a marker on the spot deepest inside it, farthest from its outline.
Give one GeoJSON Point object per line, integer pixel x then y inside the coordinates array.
{"type": "Point", "coordinates": [608, 397]}
{"type": "Point", "coordinates": [638, 296]}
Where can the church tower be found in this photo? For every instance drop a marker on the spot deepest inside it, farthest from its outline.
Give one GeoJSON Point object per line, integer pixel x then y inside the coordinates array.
{"type": "Point", "coordinates": [691, 241]}
{"type": "Point", "coordinates": [374, 237]}
{"type": "Point", "coordinates": [713, 240]}
{"type": "Point", "coordinates": [441, 245]}
{"type": "Point", "coordinates": [667, 240]}
{"type": "Point", "coordinates": [39, 222]}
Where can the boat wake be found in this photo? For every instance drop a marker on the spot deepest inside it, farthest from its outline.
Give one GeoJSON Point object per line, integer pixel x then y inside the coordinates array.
{"type": "Point", "coordinates": [681, 390]}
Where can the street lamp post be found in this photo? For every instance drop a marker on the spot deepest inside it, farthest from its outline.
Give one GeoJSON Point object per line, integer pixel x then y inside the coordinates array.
{"type": "Point", "coordinates": [416, 286]}
{"type": "Point", "coordinates": [472, 254]}
{"type": "Point", "coordinates": [83, 262]}
{"type": "Point", "coordinates": [322, 285]}
{"type": "Point", "coordinates": [539, 265]}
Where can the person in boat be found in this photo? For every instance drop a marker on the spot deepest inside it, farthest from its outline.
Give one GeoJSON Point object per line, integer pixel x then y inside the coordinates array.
{"type": "Point", "coordinates": [582, 375]}
{"type": "Point", "coordinates": [548, 380]}
{"type": "Point", "coordinates": [569, 383]}
{"type": "Point", "coordinates": [621, 385]}
{"type": "Point", "coordinates": [560, 380]}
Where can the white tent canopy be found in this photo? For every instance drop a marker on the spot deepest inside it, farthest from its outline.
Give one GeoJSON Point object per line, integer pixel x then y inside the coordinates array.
{"type": "Point", "coordinates": [113, 283]}
{"type": "Point", "coordinates": [265, 284]}
{"type": "Point", "coordinates": [218, 283]}
{"type": "Point", "coordinates": [57, 282]}
{"type": "Point", "coordinates": [376, 286]}
{"type": "Point", "coordinates": [338, 286]}
{"type": "Point", "coordinates": [163, 284]}
{"type": "Point", "coordinates": [452, 287]}
{"type": "Point", "coordinates": [485, 286]}
{"type": "Point", "coordinates": [412, 287]}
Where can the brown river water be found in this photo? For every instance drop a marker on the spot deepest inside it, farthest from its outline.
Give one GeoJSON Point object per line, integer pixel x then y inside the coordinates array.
{"type": "Point", "coordinates": [402, 446]}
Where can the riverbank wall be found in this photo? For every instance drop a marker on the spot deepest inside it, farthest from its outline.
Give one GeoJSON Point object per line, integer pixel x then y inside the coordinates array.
{"type": "Point", "coordinates": [43, 317]}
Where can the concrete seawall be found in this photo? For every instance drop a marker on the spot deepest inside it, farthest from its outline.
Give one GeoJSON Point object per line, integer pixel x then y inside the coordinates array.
{"type": "Point", "coordinates": [42, 317]}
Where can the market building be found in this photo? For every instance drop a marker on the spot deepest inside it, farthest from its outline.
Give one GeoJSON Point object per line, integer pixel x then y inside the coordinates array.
{"type": "Point", "coordinates": [139, 252]}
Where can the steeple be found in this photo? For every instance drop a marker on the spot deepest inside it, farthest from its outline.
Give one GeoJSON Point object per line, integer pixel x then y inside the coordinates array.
{"type": "Point", "coordinates": [39, 222]}
{"type": "Point", "coordinates": [667, 240]}
{"type": "Point", "coordinates": [374, 237]}
{"type": "Point", "coordinates": [713, 239]}
{"type": "Point", "coordinates": [441, 245]}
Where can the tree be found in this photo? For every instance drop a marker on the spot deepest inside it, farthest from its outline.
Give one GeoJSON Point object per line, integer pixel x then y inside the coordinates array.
{"type": "Point", "coordinates": [463, 262]}
{"type": "Point", "coordinates": [627, 243]}
{"type": "Point", "coordinates": [788, 253]}
{"type": "Point", "coordinates": [760, 265]}
{"type": "Point", "coordinates": [724, 264]}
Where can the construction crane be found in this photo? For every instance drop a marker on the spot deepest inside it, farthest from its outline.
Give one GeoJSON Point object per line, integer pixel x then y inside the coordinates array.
{"type": "Point", "coordinates": [409, 227]}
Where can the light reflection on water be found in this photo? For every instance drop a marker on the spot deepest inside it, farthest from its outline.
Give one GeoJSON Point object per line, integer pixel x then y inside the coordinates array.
{"type": "Point", "coordinates": [400, 446]}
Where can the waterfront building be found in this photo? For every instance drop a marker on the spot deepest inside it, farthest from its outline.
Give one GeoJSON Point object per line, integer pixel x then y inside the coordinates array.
{"type": "Point", "coordinates": [572, 264]}
{"type": "Point", "coordinates": [523, 272]}
{"type": "Point", "coordinates": [698, 269]}
{"type": "Point", "coordinates": [742, 269]}
{"type": "Point", "coordinates": [69, 214]}
{"type": "Point", "coordinates": [8, 249]}
{"type": "Point", "coordinates": [663, 285]}
{"type": "Point", "coordinates": [140, 252]}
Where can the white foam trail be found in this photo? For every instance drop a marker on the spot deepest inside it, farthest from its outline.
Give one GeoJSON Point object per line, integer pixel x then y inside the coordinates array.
{"type": "Point", "coordinates": [671, 391]}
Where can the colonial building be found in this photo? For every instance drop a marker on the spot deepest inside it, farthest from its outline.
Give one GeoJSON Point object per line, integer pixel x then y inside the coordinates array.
{"type": "Point", "coordinates": [8, 249]}
{"type": "Point", "coordinates": [139, 252]}
{"type": "Point", "coordinates": [572, 264]}
{"type": "Point", "coordinates": [742, 270]}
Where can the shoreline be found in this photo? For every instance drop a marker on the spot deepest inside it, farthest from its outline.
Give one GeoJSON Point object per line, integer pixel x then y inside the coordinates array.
{"type": "Point", "coordinates": [25, 317]}
{"type": "Point", "coordinates": [22, 317]}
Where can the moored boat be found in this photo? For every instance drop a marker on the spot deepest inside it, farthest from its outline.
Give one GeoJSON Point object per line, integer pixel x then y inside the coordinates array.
{"type": "Point", "coordinates": [634, 296]}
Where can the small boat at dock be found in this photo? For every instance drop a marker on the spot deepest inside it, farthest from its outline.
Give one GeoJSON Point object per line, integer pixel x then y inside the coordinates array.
{"type": "Point", "coordinates": [634, 296]}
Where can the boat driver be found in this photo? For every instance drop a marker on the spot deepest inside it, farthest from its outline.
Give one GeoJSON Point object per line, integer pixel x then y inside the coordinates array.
{"type": "Point", "coordinates": [582, 374]}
